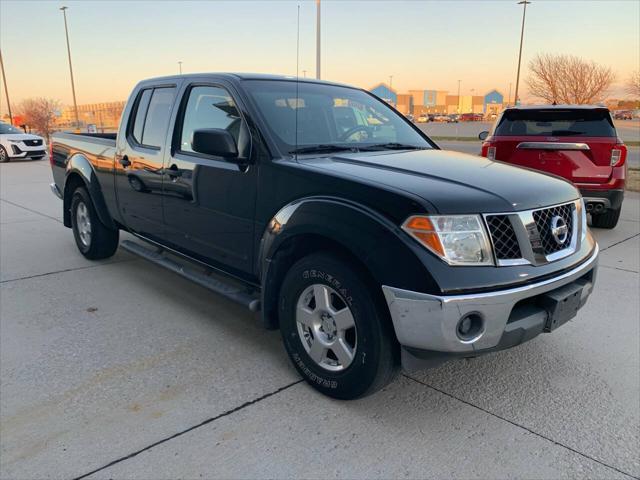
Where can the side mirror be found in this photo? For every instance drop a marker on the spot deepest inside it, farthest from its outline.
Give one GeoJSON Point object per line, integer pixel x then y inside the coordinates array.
{"type": "Point", "coordinates": [483, 135]}
{"type": "Point", "coordinates": [214, 141]}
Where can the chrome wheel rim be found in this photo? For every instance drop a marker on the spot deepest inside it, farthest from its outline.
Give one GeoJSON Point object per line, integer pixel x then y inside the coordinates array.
{"type": "Point", "coordinates": [84, 224]}
{"type": "Point", "coordinates": [326, 327]}
{"type": "Point", "coordinates": [3, 155]}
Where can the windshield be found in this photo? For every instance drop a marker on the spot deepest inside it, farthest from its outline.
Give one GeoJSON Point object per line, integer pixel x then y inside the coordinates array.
{"type": "Point", "coordinates": [329, 118]}
{"type": "Point", "coordinates": [556, 123]}
{"type": "Point", "coordinates": [4, 128]}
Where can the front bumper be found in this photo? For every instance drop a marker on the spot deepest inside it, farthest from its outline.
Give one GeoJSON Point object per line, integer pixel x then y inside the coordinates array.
{"type": "Point", "coordinates": [424, 322]}
{"type": "Point", "coordinates": [21, 150]}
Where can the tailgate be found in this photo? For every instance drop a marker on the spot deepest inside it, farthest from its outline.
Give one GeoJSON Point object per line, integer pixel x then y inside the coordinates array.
{"type": "Point", "coordinates": [573, 142]}
{"type": "Point", "coordinates": [577, 159]}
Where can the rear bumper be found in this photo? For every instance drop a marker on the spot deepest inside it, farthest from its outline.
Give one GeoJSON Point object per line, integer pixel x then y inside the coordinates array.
{"type": "Point", "coordinates": [427, 325]}
{"type": "Point", "coordinates": [612, 199]}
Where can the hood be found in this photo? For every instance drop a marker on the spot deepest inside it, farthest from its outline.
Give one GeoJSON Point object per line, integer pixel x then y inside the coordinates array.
{"type": "Point", "coordinates": [21, 136]}
{"type": "Point", "coordinates": [452, 182]}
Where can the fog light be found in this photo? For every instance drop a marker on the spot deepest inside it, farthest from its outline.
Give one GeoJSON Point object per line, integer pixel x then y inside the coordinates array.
{"type": "Point", "coordinates": [469, 327]}
{"type": "Point", "coordinates": [465, 326]}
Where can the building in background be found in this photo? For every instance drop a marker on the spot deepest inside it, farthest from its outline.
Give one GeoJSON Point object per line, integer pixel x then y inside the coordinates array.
{"type": "Point", "coordinates": [493, 103]}
{"type": "Point", "coordinates": [404, 103]}
{"type": "Point", "coordinates": [426, 101]}
{"type": "Point", "coordinates": [105, 116]}
{"type": "Point", "coordinates": [386, 93]}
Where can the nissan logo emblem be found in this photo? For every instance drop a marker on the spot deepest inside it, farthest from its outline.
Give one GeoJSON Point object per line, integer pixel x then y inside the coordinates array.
{"type": "Point", "coordinates": [559, 229]}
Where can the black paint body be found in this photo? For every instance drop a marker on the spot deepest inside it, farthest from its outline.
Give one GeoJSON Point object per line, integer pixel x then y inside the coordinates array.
{"type": "Point", "coordinates": [237, 217]}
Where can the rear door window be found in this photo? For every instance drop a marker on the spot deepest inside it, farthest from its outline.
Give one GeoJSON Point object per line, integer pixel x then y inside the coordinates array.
{"type": "Point", "coordinates": [141, 114]}
{"type": "Point", "coordinates": [556, 123]}
{"type": "Point", "coordinates": [157, 121]}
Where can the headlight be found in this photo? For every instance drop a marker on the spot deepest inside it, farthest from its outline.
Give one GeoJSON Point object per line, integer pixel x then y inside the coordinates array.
{"type": "Point", "coordinates": [457, 239]}
{"type": "Point", "coordinates": [14, 141]}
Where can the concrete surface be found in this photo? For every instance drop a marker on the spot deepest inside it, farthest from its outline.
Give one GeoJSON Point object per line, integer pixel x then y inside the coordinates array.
{"type": "Point", "coordinates": [119, 369]}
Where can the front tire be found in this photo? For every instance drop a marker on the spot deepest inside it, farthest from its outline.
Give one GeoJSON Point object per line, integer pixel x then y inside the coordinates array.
{"type": "Point", "coordinates": [335, 329]}
{"type": "Point", "coordinates": [94, 240]}
{"type": "Point", "coordinates": [4, 156]}
{"type": "Point", "coordinates": [608, 219]}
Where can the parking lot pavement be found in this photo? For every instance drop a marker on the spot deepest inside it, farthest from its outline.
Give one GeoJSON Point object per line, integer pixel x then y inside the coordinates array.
{"type": "Point", "coordinates": [124, 370]}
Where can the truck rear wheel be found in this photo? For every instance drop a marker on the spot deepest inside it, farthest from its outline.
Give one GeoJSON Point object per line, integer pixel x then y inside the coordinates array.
{"type": "Point", "coordinates": [608, 219]}
{"type": "Point", "coordinates": [335, 329]}
{"type": "Point", "coordinates": [94, 240]}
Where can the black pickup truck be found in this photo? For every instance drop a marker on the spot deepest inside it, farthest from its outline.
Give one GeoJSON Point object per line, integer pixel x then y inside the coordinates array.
{"type": "Point", "coordinates": [323, 208]}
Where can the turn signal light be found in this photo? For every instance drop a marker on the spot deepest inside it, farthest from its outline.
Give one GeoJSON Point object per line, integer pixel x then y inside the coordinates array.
{"type": "Point", "coordinates": [422, 229]}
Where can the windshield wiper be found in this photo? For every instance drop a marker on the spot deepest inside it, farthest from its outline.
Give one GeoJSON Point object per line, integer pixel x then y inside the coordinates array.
{"type": "Point", "coordinates": [323, 148]}
{"type": "Point", "coordinates": [392, 146]}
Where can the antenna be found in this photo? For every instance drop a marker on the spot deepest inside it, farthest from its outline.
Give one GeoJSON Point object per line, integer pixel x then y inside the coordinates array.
{"type": "Point", "coordinates": [297, 78]}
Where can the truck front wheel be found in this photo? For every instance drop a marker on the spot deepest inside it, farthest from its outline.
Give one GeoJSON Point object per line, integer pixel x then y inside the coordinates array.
{"type": "Point", "coordinates": [335, 328]}
{"type": "Point", "coordinates": [94, 240]}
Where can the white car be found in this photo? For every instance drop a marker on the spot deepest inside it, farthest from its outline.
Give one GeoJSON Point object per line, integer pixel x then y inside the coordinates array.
{"type": "Point", "coordinates": [14, 144]}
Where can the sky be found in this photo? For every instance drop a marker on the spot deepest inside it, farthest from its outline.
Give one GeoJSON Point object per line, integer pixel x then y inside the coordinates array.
{"type": "Point", "coordinates": [423, 44]}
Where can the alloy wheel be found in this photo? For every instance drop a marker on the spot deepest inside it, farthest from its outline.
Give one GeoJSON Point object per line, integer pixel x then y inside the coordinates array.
{"type": "Point", "coordinates": [326, 327]}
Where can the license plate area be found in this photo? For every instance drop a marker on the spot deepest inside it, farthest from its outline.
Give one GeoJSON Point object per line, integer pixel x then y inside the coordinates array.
{"type": "Point", "coordinates": [561, 304]}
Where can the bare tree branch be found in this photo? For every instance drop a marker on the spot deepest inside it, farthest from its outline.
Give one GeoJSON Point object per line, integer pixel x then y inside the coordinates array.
{"type": "Point", "coordinates": [39, 114]}
{"type": "Point", "coordinates": [633, 85]}
{"type": "Point", "coordinates": [568, 79]}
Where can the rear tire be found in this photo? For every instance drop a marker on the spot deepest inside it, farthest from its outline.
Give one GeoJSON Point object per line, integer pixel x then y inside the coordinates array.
{"type": "Point", "coordinates": [4, 156]}
{"type": "Point", "coordinates": [335, 329]}
{"type": "Point", "coordinates": [94, 240]}
{"type": "Point", "coordinates": [608, 219]}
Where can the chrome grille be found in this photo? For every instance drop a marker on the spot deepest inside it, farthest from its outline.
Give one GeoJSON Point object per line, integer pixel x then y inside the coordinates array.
{"type": "Point", "coordinates": [543, 219]}
{"type": "Point", "coordinates": [503, 236]}
{"type": "Point", "coordinates": [526, 237]}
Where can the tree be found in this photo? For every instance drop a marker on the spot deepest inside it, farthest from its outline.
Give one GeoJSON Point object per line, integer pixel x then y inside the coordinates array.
{"type": "Point", "coordinates": [568, 79]}
{"type": "Point", "coordinates": [39, 114]}
{"type": "Point", "coordinates": [633, 85]}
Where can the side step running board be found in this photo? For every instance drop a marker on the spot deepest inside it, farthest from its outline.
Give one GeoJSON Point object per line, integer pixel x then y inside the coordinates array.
{"type": "Point", "coordinates": [229, 290]}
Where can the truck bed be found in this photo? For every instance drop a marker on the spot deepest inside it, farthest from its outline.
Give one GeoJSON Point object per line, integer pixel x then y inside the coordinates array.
{"type": "Point", "coordinates": [98, 148]}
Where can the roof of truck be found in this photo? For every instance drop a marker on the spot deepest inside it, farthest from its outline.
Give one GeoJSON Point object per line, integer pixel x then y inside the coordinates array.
{"type": "Point", "coordinates": [246, 76]}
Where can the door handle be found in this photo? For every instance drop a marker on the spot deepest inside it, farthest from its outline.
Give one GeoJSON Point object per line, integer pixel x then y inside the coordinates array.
{"type": "Point", "coordinates": [173, 171]}
{"type": "Point", "coordinates": [124, 161]}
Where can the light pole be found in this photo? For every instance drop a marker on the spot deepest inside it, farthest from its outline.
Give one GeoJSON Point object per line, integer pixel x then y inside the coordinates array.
{"type": "Point", "coordinates": [304, 73]}
{"type": "Point", "coordinates": [459, 99]}
{"type": "Point", "coordinates": [524, 14]}
{"type": "Point", "coordinates": [318, 39]}
{"type": "Point", "coordinates": [6, 90]}
{"type": "Point", "coordinates": [73, 87]}
{"type": "Point", "coordinates": [180, 68]}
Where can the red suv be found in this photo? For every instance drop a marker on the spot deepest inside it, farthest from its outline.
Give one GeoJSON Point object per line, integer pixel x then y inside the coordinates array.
{"type": "Point", "coordinates": [576, 142]}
